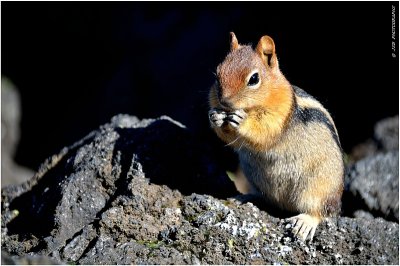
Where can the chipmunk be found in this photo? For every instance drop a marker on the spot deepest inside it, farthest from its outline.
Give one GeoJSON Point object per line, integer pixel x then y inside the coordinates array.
{"type": "Point", "coordinates": [287, 142]}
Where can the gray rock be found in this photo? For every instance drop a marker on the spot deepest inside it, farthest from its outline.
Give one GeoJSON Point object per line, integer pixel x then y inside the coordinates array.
{"type": "Point", "coordinates": [10, 116]}
{"type": "Point", "coordinates": [133, 192]}
{"type": "Point", "coordinates": [73, 188]}
{"type": "Point", "coordinates": [363, 214]}
{"type": "Point", "coordinates": [386, 133]}
{"type": "Point", "coordinates": [11, 172]}
{"type": "Point", "coordinates": [374, 183]}
{"type": "Point", "coordinates": [7, 259]}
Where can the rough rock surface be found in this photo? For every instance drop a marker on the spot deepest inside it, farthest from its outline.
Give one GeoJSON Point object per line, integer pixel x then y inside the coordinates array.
{"type": "Point", "coordinates": [135, 192]}
{"type": "Point", "coordinates": [374, 182]}
{"type": "Point", "coordinates": [372, 177]}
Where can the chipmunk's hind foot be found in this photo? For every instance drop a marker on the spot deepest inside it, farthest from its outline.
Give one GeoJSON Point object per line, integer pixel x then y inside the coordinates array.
{"type": "Point", "coordinates": [304, 225]}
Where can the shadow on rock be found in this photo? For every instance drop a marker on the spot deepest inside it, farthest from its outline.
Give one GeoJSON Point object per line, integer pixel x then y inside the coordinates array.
{"type": "Point", "coordinates": [170, 156]}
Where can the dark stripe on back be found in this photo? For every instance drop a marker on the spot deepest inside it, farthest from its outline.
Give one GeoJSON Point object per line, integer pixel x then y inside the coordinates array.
{"type": "Point", "coordinates": [308, 115]}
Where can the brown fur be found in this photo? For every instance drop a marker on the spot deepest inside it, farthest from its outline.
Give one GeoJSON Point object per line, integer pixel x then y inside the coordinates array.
{"type": "Point", "coordinates": [293, 163]}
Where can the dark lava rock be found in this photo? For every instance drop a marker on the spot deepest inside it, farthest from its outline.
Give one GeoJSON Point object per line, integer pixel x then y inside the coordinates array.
{"type": "Point", "coordinates": [372, 184]}
{"type": "Point", "coordinates": [133, 192]}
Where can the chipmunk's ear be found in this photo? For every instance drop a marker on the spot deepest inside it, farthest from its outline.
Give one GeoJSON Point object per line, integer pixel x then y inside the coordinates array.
{"type": "Point", "coordinates": [234, 42]}
{"type": "Point", "coordinates": [266, 50]}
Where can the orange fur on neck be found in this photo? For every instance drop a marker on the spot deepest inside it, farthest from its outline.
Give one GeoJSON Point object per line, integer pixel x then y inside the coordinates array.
{"type": "Point", "coordinates": [265, 123]}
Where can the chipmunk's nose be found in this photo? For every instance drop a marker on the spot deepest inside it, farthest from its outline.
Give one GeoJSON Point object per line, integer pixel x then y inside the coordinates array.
{"type": "Point", "coordinates": [225, 102]}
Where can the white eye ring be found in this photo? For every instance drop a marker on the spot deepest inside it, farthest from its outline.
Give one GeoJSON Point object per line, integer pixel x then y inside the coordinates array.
{"type": "Point", "coordinates": [253, 79]}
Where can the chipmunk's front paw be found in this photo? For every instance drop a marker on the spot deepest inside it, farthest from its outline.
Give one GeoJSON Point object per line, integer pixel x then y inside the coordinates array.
{"type": "Point", "coordinates": [217, 117]}
{"type": "Point", "coordinates": [236, 118]}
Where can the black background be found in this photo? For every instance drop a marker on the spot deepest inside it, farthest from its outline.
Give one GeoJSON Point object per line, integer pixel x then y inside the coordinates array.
{"type": "Point", "coordinates": [77, 64]}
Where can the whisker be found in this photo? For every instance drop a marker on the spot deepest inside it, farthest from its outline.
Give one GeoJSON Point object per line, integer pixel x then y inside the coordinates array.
{"type": "Point", "coordinates": [214, 72]}
{"type": "Point", "coordinates": [232, 141]}
{"type": "Point", "coordinates": [248, 97]}
{"type": "Point", "coordinates": [252, 98]}
{"type": "Point", "coordinates": [241, 144]}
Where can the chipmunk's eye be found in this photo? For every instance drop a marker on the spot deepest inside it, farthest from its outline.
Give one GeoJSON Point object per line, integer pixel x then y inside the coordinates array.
{"type": "Point", "coordinates": [253, 80]}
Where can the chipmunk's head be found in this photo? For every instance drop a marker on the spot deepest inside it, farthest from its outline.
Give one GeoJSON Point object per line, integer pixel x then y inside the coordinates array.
{"type": "Point", "coordinates": [246, 74]}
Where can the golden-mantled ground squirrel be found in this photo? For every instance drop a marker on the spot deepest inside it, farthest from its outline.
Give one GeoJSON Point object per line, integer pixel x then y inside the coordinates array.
{"type": "Point", "coordinates": [287, 143]}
